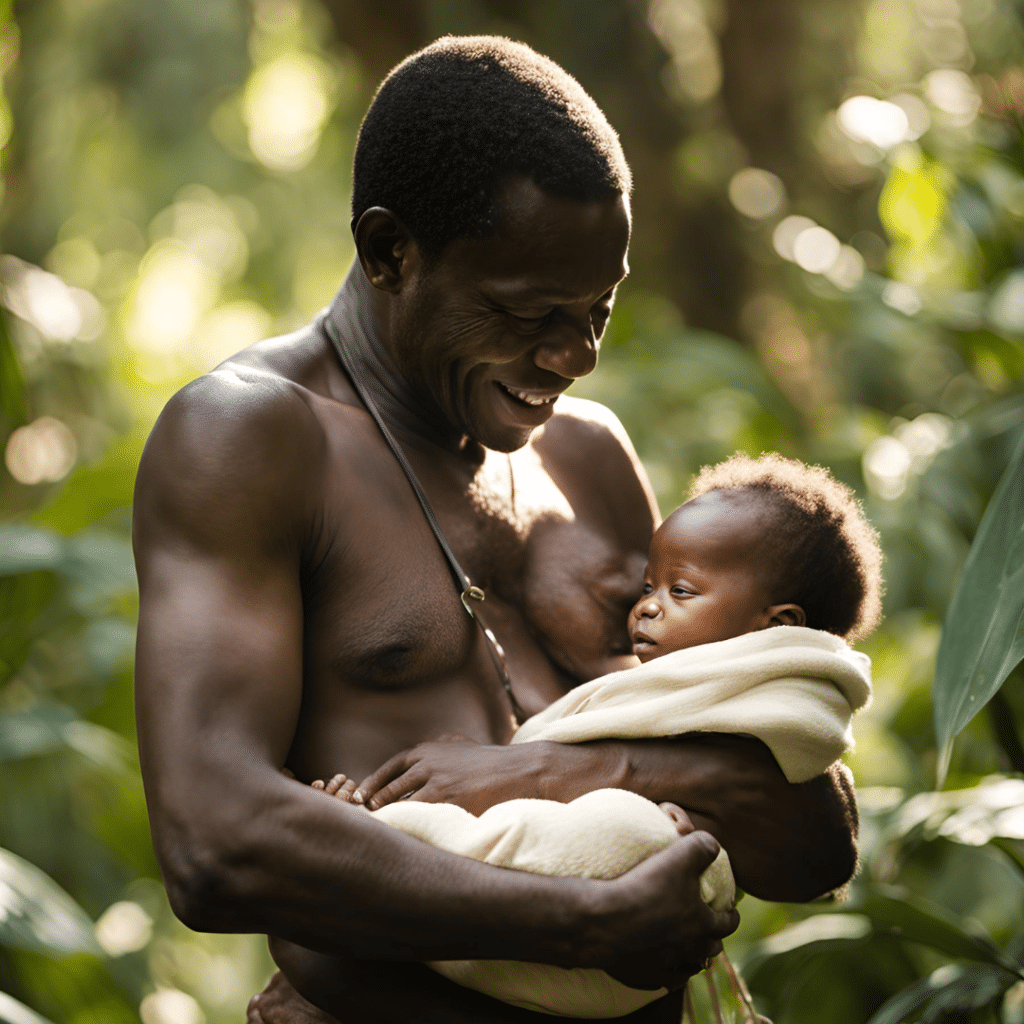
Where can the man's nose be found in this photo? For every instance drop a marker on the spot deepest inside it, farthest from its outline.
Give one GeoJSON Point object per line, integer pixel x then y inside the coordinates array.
{"type": "Point", "coordinates": [568, 349]}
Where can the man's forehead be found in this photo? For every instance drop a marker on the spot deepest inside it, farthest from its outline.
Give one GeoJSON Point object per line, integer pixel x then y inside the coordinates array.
{"type": "Point", "coordinates": [520, 203]}
{"type": "Point", "coordinates": [547, 249]}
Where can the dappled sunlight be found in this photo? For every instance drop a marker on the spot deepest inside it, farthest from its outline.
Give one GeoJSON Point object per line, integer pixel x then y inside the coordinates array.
{"type": "Point", "coordinates": [228, 329]}
{"type": "Point", "coordinates": [175, 289]}
{"type": "Point", "coordinates": [286, 104]}
{"type": "Point", "coordinates": [42, 299]}
{"type": "Point", "coordinates": [825, 262]}
{"type": "Point", "coordinates": [695, 72]}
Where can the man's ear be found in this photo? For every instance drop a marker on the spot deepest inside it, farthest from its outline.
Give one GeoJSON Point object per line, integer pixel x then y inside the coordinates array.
{"type": "Point", "coordinates": [385, 248]}
{"type": "Point", "coordinates": [785, 615]}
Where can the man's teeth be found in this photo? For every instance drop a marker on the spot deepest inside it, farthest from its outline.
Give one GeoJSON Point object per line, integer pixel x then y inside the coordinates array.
{"type": "Point", "coordinates": [527, 398]}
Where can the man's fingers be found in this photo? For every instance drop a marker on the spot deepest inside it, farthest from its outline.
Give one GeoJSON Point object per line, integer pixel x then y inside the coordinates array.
{"type": "Point", "coordinates": [381, 777]}
{"type": "Point", "coordinates": [701, 848]}
{"type": "Point", "coordinates": [403, 786]}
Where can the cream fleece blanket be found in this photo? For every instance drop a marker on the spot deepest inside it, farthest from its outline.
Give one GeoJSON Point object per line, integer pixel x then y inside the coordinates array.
{"type": "Point", "coordinates": [793, 688]}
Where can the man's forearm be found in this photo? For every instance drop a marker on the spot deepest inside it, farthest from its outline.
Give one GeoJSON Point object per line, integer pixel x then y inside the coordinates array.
{"type": "Point", "coordinates": [787, 842]}
{"type": "Point", "coordinates": [326, 875]}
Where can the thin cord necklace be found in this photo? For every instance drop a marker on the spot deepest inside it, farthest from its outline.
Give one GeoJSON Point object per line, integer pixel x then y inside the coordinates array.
{"type": "Point", "coordinates": [471, 595]}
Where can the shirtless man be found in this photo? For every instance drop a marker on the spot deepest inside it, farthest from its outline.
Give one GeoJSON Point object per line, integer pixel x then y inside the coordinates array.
{"type": "Point", "coordinates": [297, 611]}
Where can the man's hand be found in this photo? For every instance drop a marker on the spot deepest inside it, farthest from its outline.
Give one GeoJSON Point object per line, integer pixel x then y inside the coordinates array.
{"type": "Point", "coordinates": [666, 931]}
{"type": "Point", "coordinates": [456, 771]}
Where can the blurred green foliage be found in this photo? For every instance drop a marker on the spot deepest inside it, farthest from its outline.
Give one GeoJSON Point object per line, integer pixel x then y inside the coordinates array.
{"type": "Point", "coordinates": [828, 261]}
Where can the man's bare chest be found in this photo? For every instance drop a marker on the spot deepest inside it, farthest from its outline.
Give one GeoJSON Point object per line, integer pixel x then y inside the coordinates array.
{"type": "Point", "coordinates": [383, 611]}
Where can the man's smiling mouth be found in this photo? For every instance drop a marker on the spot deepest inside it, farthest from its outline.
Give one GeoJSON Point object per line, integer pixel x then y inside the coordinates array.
{"type": "Point", "coordinates": [533, 398]}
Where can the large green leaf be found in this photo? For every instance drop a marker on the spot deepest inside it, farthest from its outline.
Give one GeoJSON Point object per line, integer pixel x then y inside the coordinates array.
{"type": "Point", "coordinates": [26, 548]}
{"type": "Point", "coordinates": [37, 914]}
{"type": "Point", "coordinates": [96, 564]}
{"type": "Point", "coordinates": [35, 730]}
{"type": "Point", "coordinates": [983, 636]}
{"type": "Point", "coordinates": [13, 396]}
{"type": "Point", "coordinates": [46, 726]}
{"type": "Point", "coordinates": [13, 1012]}
{"type": "Point", "coordinates": [955, 987]}
{"type": "Point", "coordinates": [911, 918]}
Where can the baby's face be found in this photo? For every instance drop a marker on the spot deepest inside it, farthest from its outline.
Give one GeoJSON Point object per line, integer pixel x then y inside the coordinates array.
{"type": "Point", "coordinates": [705, 579]}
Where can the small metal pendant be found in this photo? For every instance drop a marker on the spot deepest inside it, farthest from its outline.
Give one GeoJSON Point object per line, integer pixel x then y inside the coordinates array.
{"type": "Point", "coordinates": [471, 593]}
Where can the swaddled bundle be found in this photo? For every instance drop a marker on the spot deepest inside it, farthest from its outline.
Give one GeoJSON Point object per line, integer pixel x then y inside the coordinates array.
{"type": "Point", "coordinates": [793, 688]}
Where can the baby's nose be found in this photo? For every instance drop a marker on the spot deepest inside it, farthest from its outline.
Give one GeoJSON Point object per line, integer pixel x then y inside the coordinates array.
{"type": "Point", "coordinates": [648, 608]}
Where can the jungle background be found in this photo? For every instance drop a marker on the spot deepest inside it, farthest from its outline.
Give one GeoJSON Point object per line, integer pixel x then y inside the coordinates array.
{"type": "Point", "coordinates": [828, 261]}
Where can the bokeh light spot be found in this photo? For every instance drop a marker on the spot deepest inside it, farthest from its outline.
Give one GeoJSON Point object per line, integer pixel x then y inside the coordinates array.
{"type": "Point", "coordinates": [175, 289]}
{"type": "Point", "coordinates": [786, 233]}
{"type": "Point", "coordinates": [901, 297]}
{"type": "Point", "coordinates": [886, 466]}
{"type": "Point", "coordinates": [816, 249]}
{"type": "Point", "coordinates": [123, 928]}
{"type": "Point", "coordinates": [285, 106]}
{"type": "Point", "coordinates": [42, 452]}
{"type": "Point", "coordinates": [847, 271]}
{"type": "Point", "coordinates": [879, 122]}
{"type": "Point", "coordinates": [228, 329]}
{"type": "Point", "coordinates": [40, 298]}
{"type": "Point", "coordinates": [954, 94]}
{"type": "Point", "coordinates": [757, 193]}
{"type": "Point", "coordinates": [170, 1006]}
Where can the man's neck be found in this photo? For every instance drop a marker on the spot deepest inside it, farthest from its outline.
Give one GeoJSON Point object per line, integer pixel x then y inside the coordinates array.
{"type": "Point", "coordinates": [359, 318]}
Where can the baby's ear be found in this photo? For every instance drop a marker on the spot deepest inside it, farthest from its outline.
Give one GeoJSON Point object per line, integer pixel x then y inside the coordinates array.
{"type": "Point", "coordinates": [786, 615]}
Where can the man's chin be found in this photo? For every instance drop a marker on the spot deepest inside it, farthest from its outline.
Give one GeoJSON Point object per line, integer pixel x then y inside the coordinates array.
{"type": "Point", "coordinates": [500, 437]}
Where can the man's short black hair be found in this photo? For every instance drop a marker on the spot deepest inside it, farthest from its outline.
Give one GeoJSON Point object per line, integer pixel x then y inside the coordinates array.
{"type": "Point", "coordinates": [821, 552]}
{"type": "Point", "coordinates": [454, 121]}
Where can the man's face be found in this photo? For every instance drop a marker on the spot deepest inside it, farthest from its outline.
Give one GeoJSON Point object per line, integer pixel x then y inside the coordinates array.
{"type": "Point", "coordinates": [502, 325]}
{"type": "Point", "coordinates": [705, 579]}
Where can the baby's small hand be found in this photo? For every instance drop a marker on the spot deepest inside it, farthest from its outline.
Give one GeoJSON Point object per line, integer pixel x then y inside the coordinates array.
{"type": "Point", "coordinates": [340, 786]}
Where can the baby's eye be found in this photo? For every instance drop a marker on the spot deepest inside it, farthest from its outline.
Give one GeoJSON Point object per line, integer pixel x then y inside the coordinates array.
{"type": "Point", "coordinates": [648, 589]}
{"type": "Point", "coordinates": [678, 591]}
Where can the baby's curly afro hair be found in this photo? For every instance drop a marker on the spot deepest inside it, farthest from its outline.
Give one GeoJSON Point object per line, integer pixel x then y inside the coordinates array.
{"type": "Point", "coordinates": [823, 552]}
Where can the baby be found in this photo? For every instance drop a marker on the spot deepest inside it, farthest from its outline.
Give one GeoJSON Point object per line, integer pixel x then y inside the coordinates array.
{"type": "Point", "coordinates": [751, 589]}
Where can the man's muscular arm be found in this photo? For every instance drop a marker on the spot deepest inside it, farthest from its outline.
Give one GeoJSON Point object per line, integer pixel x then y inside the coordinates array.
{"type": "Point", "coordinates": [787, 842]}
{"type": "Point", "coordinates": [223, 511]}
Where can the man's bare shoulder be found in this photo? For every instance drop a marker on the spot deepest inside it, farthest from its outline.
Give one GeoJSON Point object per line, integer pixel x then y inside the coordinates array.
{"type": "Point", "coordinates": [241, 443]}
{"type": "Point", "coordinates": [582, 421]}
{"type": "Point", "coordinates": [585, 441]}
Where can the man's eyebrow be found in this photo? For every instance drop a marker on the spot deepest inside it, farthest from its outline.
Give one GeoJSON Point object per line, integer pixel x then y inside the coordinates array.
{"type": "Point", "coordinates": [540, 293]}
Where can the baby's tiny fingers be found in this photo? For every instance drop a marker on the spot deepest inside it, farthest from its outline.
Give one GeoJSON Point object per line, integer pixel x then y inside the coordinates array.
{"type": "Point", "coordinates": [335, 784]}
{"type": "Point", "coordinates": [317, 784]}
{"type": "Point", "coordinates": [346, 791]}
